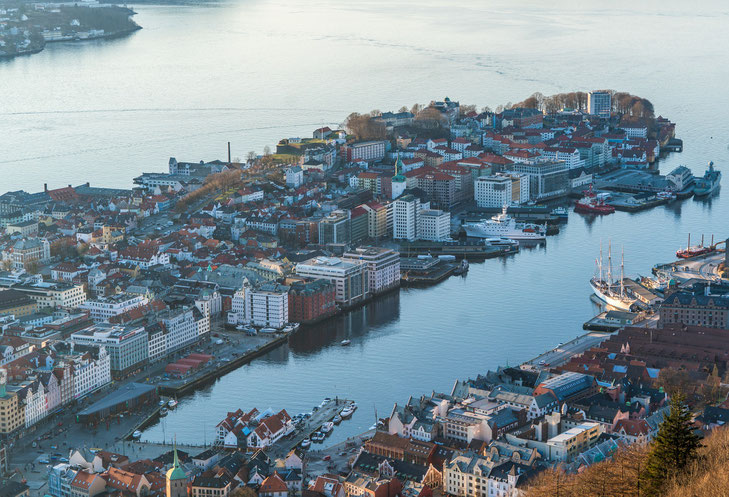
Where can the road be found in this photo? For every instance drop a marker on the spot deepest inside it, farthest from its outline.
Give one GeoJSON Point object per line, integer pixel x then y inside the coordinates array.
{"type": "Point", "coordinates": [562, 353]}
{"type": "Point", "coordinates": [704, 267]}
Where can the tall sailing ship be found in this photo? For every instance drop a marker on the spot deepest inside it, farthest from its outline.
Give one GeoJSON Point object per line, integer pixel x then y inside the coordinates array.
{"type": "Point", "coordinates": [607, 290]}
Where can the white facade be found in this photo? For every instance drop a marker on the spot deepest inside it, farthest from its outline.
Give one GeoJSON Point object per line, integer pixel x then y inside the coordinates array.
{"type": "Point", "coordinates": [434, 225]}
{"type": "Point", "coordinates": [105, 308]}
{"type": "Point", "coordinates": [35, 405]}
{"type": "Point", "coordinates": [90, 374]}
{"type": "Point", "coordinates": [382, 267]}
{"type": "Point", "coordinates": [599, 103]}
{"type": "Point", "coordinates": [267, 305]}
{"type": "Point", "coordinates": [181, 330]}
{"type": "Point", "coordinates": [492, 191]}
{"type": "Point", "coordinates": [405, 218]}
{"type": "Point", "coordinates": [294, 177]}
{"type": "Point", "coordinates": [237, 313]}
{"type": "Point", "coordinates": [349, 278]}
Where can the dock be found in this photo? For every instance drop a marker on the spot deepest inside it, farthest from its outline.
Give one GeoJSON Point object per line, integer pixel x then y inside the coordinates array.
{"type": "Point", "coordinates": [461, 249]}
{"type": "Point", "coordinates": [177, 388]}
{"type": "Point", "coordinates": [417, 271]}
{"type": "Point", "coordinates": [311, 425]}
{"type": "Point", "coordinates": [610, 321]}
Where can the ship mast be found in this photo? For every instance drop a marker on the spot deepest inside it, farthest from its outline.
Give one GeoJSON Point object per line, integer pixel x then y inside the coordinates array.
{"type": "Point", "coordinates": [599, 266]}
{"type": "Point", "coordinates": [610, 265]}
{"type": "Point", "coordinates": [622, 270]}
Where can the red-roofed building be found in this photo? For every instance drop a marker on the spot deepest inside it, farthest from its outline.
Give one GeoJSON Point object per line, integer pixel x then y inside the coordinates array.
{"type": "Point", "coordinates": [273, 486]}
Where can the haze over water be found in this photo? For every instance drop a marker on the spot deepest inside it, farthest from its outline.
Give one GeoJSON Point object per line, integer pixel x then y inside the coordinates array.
{"type": "Point", "coordinates": [251, 72]}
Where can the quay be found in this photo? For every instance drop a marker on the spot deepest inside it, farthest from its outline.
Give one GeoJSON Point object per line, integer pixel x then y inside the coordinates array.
{"type": "Point", "coordinates": [421, 271]}
{"type": "Point", "coordinates": [176, 388]}
{"type": "Point", "coordinates": [610, 321]}
{"type": "Point", "coordinates": [530, 214]}
{"type": "Point", "coordinates": [462, 249]}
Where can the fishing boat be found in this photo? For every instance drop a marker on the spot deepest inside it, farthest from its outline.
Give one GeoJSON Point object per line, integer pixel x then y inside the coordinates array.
{"type": "Point", "coordinates": [709, 183]}
{"type": "Point", "coordinates": [503, 225]}
{"type": "Point", "coordinates": [306, 443]}
{"type": "Point", "coordinates": [696, 250]}
{"type": "Point", "coordinates": [606, 289]}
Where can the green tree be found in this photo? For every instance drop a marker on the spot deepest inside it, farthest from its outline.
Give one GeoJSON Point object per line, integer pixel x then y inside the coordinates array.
{"type": "Point", "coordinates": [675, 446]}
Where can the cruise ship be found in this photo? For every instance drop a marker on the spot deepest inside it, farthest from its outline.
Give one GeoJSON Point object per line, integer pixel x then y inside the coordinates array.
{"type": "Point", "coordinates": [503, 225]}
{"type": "Point", "coordinates": [607, 290]}
{"type": "Point", "coordinates": [709, 183]}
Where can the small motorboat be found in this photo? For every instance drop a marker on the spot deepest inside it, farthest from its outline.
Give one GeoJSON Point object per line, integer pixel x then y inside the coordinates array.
{"type": "Point", "coordinates": [317, 437]}
{"type": "Point", "coordinates": [346, 412]}
{"type": "Point", "coordinates": [306, 443]}
{"type": "Point", "coordinates": [344, 343]}
{"type": "Point", "coordinates": [326, 428]}
{"type": "Point", "coordinates": [268, 330]}
{"type": "Point", "coordinates": [163, 412]}
{"type": "Point", "coordinates": [137, 435]}
{"type": "Point", "coordinates": [162, 403]}
{"type": "Point", "coordinates": [172, 403]}
{"type": "Point", "coordinates": [337, 419]}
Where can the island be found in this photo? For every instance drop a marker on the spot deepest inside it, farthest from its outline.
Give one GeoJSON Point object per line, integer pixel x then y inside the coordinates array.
{"type": "Point", "coordinates": [26, 28]}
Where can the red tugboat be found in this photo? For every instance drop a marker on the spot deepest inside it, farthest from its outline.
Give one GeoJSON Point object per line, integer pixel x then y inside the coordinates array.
{"type": "Point", "coordinates": [594, 204]}
{"type": "Point", "coordinates": [696, 250]}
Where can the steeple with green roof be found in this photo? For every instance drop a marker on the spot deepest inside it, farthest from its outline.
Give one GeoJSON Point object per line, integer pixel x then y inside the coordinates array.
{"type": "Point", "coordinates": [176, 472]}
{"type": "Point", "coordinates": [398, 170]}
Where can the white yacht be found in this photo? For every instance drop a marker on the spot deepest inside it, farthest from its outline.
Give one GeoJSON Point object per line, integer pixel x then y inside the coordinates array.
{"type": "Point", "coordinates": [505, 226]}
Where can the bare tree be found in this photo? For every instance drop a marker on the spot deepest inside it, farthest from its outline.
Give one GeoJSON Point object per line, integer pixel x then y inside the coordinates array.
{"type": "Point", "coordinates": [266, 150]}
{"type": "Point", "coordinates": [251, 156]}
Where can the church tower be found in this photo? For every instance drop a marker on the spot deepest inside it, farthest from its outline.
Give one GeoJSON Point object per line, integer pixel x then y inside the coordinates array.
{"type": "Point", "coordinates": [399, 182]}
{"type": "Point", "coordinates": [176, 479]}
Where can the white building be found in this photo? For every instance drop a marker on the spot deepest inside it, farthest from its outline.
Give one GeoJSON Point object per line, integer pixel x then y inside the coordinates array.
{"type": "Point", "coordinates": [472, 475]}
{"type": "Point", "coordinates": [349, 277]}
{"type": "Point", "coordinates": [127, 346]}
{"type": "Point", "coordinates": [35, 403]}
{"type": "Point", "coordinates": [104, 308]}
{"type": "Point", "coordinates": [569, 155]}
{"type": "Point", "coordinates": [91, 371]}
{"type": "Point", "coordinates": [237, 313]}
{"type": "Point", "coordinates": [382, 267]}
{"type": "Point", "coordinates": [599, 103]}
{"type": "Point", "coordinates": [492, 191]}
{"type": "Point", "coordinates": [434, 225]}
{"type": "Point", "coordinates": [267, 305]}
{"type": "Point", "coordinates": [405, 218]}
{"type": "Point", "coordinates": [294, 177]}
{"type": "Point", "coordinates": [180, 329]}
{"type": "Point", "coordinates": [48, 294]}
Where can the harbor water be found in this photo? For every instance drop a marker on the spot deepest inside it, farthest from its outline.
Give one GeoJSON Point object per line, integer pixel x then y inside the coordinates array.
{"type": "Point", "coordinates": [251, 72]}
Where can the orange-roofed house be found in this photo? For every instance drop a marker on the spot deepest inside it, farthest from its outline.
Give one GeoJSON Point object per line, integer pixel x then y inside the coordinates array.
{"type": "Point", "coordinates": [87, 484]}
{"type": "Point", "coordinates": [273, 486]}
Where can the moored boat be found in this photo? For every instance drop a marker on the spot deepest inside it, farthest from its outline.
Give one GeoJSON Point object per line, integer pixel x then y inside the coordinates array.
{"type": "Point", "coordinates": [594, 205]}
{"type": "Point", "coordinates": [305, 443]}
{"type": "Point", "coordinates": [327, 427]}
{"type": "Point", "coordinates": [609, 291]}
{"type": "Point", "coordinates": [337, 419]}
{"type": "Point", "coordinates": [709, 183]}
{"type": "Point", "coordinates": [503, 225]}
{"type": "Point", "coordinates": [172, 403]}
{"type": "Point", "coordinates": [344, 343]}
{"type": "Point", "coordinates": [163, 412]}
{"type": "Point", "coordinates": [137, 435]}
{"type": "Point", "coordinates": [696, 250]}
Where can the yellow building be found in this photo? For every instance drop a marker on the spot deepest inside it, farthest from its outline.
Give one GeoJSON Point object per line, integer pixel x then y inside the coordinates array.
{"type": "Point", "coordinates": [12, 415]}
{"type": "Point", "coordinates": [13, 302]}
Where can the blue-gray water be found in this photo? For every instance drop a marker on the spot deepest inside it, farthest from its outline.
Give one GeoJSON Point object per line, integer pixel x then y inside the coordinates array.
{"type": "Point", "coordinates": [253, 71]}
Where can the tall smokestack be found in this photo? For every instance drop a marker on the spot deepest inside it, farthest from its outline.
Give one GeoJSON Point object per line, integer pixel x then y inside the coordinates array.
{"type": "Point", "coordinates": [228, 153]}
